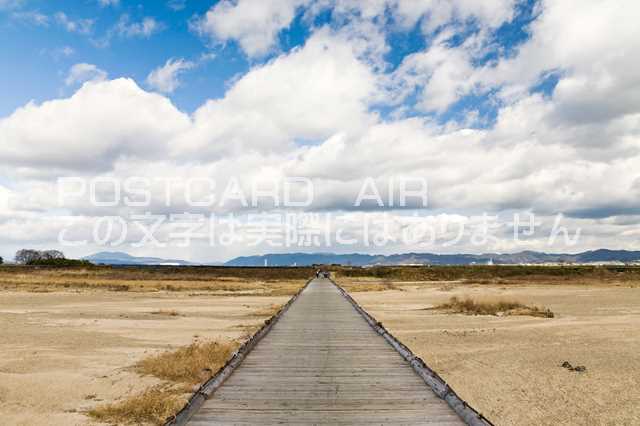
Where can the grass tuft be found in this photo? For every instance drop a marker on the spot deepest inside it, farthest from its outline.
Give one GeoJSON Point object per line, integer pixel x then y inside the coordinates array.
{"type": "Point", "coordinates": [358, 287]}
{"type": "Point", "coordinates": [153, 405]}
{"type": "Point", "coordinates": [269, 311]}
{"type": "Point", "coordinates": [190, 364]}
{"type": "Point", "coordinates": [166, 312]}
{"type": "Point", "coordinates": [501, 307]}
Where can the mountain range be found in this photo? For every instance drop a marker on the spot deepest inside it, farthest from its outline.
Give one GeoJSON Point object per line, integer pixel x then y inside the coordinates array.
{"type": "Point", "coordinates": [524, 257]}
{"type": "Point", "coordinates": [357, 259]}
{"type": "Point", "coordinates": [120, 258]}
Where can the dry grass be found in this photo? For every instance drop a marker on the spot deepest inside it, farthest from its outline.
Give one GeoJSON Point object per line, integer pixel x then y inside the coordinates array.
{"type": "Point", "coordinates": [469, 306]}
{"type": "Point", "coordinates": [383, 285]}
{"type": "Point", "coordinates": [181, 368]}
{"type": "Point", "coordinates": [190, 364]}
{"type": "Point", "coordinates": [153, 406]}
{"type": "Point", "coordinates": [502, 274]}
{"type": "Point", "coordinates": [267, 312]}
{"type": "Point", "coordinates": [244, 283]}
{"type": "Point", "coordinates": [178, 372]}
{"type": "Point", "coordinates": [166, 312]}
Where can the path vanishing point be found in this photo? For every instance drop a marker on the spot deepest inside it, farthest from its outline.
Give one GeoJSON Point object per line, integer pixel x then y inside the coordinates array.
{"type": "Point", "coordinates": [322, 363]}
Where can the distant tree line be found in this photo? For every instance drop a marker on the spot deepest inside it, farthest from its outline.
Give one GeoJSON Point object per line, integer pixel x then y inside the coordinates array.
{"type": "Point", "coordinates": [47, 258]}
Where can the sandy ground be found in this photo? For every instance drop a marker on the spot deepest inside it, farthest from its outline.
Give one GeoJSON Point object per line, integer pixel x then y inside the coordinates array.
{"type": "Point", "coordinates": [62, 353]}
{"type": "Point", "coordinates": [509, 367]}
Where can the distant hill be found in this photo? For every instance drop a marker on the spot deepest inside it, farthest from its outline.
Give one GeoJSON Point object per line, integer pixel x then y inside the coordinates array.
{"type": "Point", "coordinates": [120, 258]}
{"type": "Point", "coordinates": [355, 259]}
{"type": "Point", "coordinates": [303, 259]}
{"type": "Point", "coordinates": [358, 259]}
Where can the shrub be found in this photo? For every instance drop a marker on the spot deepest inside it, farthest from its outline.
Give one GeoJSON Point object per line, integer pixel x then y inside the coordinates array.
{"type": "Point", "coordinates": [153, 406]}
{"type": "Point", "coordinates": [59, 262]}
{"type": "Point", "coordinates": [505, 307]}
{"type": "Point", "coordinates": [47, 258]}
{"type": "Point", "coordinates": [188, 364]}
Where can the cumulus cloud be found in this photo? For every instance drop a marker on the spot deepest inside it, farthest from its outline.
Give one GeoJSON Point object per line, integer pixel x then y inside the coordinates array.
{"type": "Point", "coordinates": [434, 14]}
{"type": "Point", "coordinates": [253, 23]}
{"type": "Point", "coordinates": [166, 78]}
{"type": "Point", "coordinates": [308, 94]}
{"type": "Point", "coordinates": [83, 72]}
{"type": "Point", "coordinates": [311, 112]}
{"type": "Point", "coordinates": [100, 123]}
{"type": "Point", "coordinates": [491, 13]}
{"type": "Point", "coordinates": [594, 84]}
{"type": "Point", "coordinates": [441, 75]}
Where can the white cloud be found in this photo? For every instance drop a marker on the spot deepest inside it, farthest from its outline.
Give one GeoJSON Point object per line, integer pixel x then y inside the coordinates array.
{"type": "Point", "coordinates": [310, 93]}
{"type": "Point", "coordinates": [65, 51]}
{"type": "Point", "coordinates": [176, 4]}
{"type": "Point", "coordinates": [59, 52]}
{"type": "Point", "coordinates": [490, 13]}
{"type": "Point", "coordinates": [166, 78]}
{"type": "Point", "coordinates": [577, 151]}
{"type": "Point", "coordinates": [10, 4]}
{"type": "Point", "coordinates": [31, 17]}
{"type": "Point", "coordinates": [100, 123]}
{"type": "Point", "coordinates": [105, 3]}
{"type": "Point", "coordinates": [145, 28]}
{"type": "Point", "coordinates": [441, 74]}
{"type": "Point", "coordinates": [83, 72]}
{"type": "Point", "coordinates": [571, 40]}
{"type": "Point", "coordinates": [206, 57]}
{"type": "Point", "coordinates": [253, 23]}
{"type": "Point", "coordinates": [80, 26]}
{"type": "Point", "coordinates": [597, 81]}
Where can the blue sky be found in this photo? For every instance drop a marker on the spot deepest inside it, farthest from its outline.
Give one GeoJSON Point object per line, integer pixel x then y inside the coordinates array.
{"type": "Point", "coordinates": [502, 105]}
{"type": "Point", "coordinates": [53, 49]}
{"type": "Point", "coordinates": [39, 65]}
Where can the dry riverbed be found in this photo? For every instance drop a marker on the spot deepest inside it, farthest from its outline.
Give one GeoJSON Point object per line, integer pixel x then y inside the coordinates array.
{"type": "Point", "coordinates": [509, 366]}
{"type": "Point", "coordinates": [65, 351]}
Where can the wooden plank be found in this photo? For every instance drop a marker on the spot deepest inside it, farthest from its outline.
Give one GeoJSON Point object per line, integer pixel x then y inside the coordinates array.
{"type": "Point", "coordinates": [323, 364]}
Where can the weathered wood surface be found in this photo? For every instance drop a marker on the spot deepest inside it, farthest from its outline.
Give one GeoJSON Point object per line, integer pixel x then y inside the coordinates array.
{"type": "Point", "coordinates": [323, 364]}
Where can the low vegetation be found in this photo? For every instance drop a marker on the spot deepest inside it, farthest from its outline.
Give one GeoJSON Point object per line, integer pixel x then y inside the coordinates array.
{"type": "Point", "coordinates": [498, 274]}
{"type": "Point", "coordinates": [180, 370]}
{"type": "Point", "coordinates": [153, 405]}
{"type": "Point", "coordinates": [61, 263]}
{"type": "Point", "coordinates": [213, 281]}
{"type": "Point", "coordinates": [184, 368]}
{"type": "Point", "coordinates": [190, 364]}
{"type": "Point", "coordinates": [268, 312]}
{"type": "Point", "coordinates": [166, 312]}
{"type": "Point", "coordinates": [48, 258]}
{"type": "Point", "coordinates": [369, 286]}
{"type": "Point", "coordinates": [469, 306]}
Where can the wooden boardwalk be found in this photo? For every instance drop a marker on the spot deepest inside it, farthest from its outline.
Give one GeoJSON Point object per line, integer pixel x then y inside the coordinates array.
{"type": "Point", "coordinates": [323, 364]}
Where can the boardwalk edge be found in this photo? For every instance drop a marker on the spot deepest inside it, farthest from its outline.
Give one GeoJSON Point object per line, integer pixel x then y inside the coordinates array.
{"type": "Point", "coordinates": [430, 377]}
{"type": "Point", "coordinates": [210, 386]}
